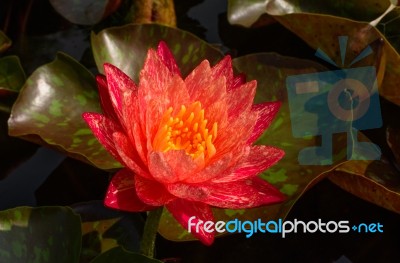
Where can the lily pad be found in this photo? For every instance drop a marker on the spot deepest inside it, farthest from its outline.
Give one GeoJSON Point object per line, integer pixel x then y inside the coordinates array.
{"type": "Point", "coordinates": [46, 234]}
{"type": "Point", "coordinates": [375, 181]}
{"type": "Point", "coordinates": [118, 254]}
{"type": "Point", "coordinates": [49, 108]}
{"type": "Point", "coordinates": [246, 13]}
{"type": "Point", "coordinates": [393, 140]}
{"type": "Point", "coordinates": [321, 31]}
{"type": "Point", "coordinates": [85, 12]}
{"type": "Point", "coordinates": [12, 78]}
{"type": "Point", "coordinates": [5, 42]}
{"type": "Point", "coordinates": [104, 229]}
{"type": "Point", "coordinates": [126, 47]}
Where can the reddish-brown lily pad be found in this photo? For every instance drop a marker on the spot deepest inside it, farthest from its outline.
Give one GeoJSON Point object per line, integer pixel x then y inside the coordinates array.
{"type": "Point", "coordinates": [310, 22]}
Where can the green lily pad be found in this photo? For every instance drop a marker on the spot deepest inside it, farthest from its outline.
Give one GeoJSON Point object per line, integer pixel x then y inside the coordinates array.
{"type": "Point", "coordinates": [126, 47]}
{"type": "Point", "coordinates": [375, 181]}
{"type": "Point", "coordinates": [85, 12]}
{"type": "Point", "coordinates": [12, 78]}
{"type": "Point", "coordinates": [46, 234]}
{"type": "Point", "coordinates": [118, 254]}
{"type": "Point", "coordinates": [104, 229]}
{"type": "Point", "coordinates": [293, 179]}
{"type": "Point", "coordinates": [321, 31]}
{"type": "Point", "coordinates": [5, 42]}
{"type": "Point", "coordinates": [49, 108]}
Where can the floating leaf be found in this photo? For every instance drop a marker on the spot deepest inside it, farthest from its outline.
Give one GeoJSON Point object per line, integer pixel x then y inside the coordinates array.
{"type": "Point", "coordinates": [293, 179]}
{"type": "Point", "coordinates": [374, 181]}
{"type": "Point", "coordinates": [321, 31]}
{"type": "Point", "coordinates": [49, 110]}
{"type": "Point", "coordinates": [46, 234]}
{"type": "Point", "coordinates": [246, 13]}
{"type": "Point", "coordinates": [393, 140]}
{"type": "Point", "coordinates": [12, 78]}
{"type": "Point", "coordinates": [5, 42]}
{"type": "Point", "coordinates": [126, 47]}
{"type": "Point", "coordinates": [118, 255]}
{"type": "Point", "coordinates": [85, 12]}
{"type": "Point", "coordinates": [104, 229]}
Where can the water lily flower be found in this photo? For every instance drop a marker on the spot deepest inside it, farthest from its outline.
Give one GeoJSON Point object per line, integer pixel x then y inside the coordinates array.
{"type": "Point", "coordinates": [186, 142]}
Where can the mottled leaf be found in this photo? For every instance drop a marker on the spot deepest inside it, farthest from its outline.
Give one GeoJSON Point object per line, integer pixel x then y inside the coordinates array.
{"type": "Point", "coordinates": [46, 234]}
{"type": "Point", "coordinates": [246, 13]}
{"type": "Point", "coordinates": [85, 12]}
{"type": "Point", "coordinates": [49, 108]}
{"type": "Point", "coordinates": [322, 31]}
{"type": "Point", "coordinates": [375, 181]}
{"type": "Point", "coordinates": [12, 78]}
{"type": "Point", "coordinates": [393, 140]}
{"type": "Point", "coordinates": [293, 179]}
{"type": "Point", "coordinates": [126, 47]}
{"type": "Point", "coordinates": [5, 42]}
{"type": "Point", "coordinates": [104, 229]}
{"type": "Point", "coordinates": [118, 255]}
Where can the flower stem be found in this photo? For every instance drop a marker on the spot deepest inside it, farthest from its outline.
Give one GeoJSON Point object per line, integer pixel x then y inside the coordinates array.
{"type": "Point", "coordinates": [148, 241]}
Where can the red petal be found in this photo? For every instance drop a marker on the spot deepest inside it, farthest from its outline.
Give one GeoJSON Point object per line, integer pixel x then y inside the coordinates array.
{"type": "Point", "coordinates": [241, 99]}
{"type": "Point", "coordinates": [233, 195]}
{"type": "Point", "coordinates": [105, 100]}
{"type": "Point", "coordinates": [103, 128]}
{"type": "Point", "coordinates": [152, 192]}
{"type": "Point", "coordinates": [238, 81]}
{"type": "Point", "coordinates": [258, 159]}
{"type": "Point", "coordinates": [133, 128]}
{"type": "Point", "coordinates": [171, 166]}
{"type": "Point", "coordinates": [129, 155]}
{"type": "Point", "coordinates": [167, 58]}
{"type": "Point", "coordinates": [224, 69]}
{"type": "Point", "coordinates": [183, 210]}
{"type": "Point", "coordinates": [117, 82]}
{"type": "Point", "coordinates": [266, 113]}
{"type": "Point", "coordinates": [121, 193]}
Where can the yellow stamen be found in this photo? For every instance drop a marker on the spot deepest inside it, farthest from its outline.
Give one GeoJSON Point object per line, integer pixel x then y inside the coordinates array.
{"type": "Point", "coordinates": [187, 130]}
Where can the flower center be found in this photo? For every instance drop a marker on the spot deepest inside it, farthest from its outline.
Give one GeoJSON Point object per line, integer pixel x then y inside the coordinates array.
{"type": "Point", "coordinates": [187, 130]}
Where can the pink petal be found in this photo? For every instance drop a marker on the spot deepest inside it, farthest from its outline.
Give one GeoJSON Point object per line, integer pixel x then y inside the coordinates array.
{"type": "Point", "coordinates": [266, 113]}
{"type": "Point", "coordinates": [167, 58]}
{"type": "Point", "coordinates": [204, 87]}
{"type": "Point", "coordinates": [105, 100]}
{"type": "Point", "coordinates": [233, 195]}
{"type": "Point", "coordinates": [258, 159]}
{"type": "Point", "coordinates": [241, 99]}
{"type": "Point", "coordinates": [129, 155]}
{"type": "Point", "coordinates": [103, 128]}
{"type": "Point", "coordinates": [224, 69]}
{"type": "Point", "coordinates": [171, 166]}
{"type": "Point", "coordinates": [214, 169]}
{"type": "Point", "coordinates": [152, 192]}
{"type": "Point", "coordinates": [183, 210]}
{"type": "Point", "coordinates": [156, 93]}
{"type": "Point", "coordinates": [121, 193]}
{"type": "Point", "coordinates": [117, 82]}
{"type": "Point", "coordinates": [234, 134]}
{"type": "Point", "coordinates": [133, 127]}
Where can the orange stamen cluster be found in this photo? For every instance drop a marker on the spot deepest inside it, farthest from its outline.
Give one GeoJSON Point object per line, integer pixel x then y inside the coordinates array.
{"type": "Point", "coordinates": [187, 130]}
